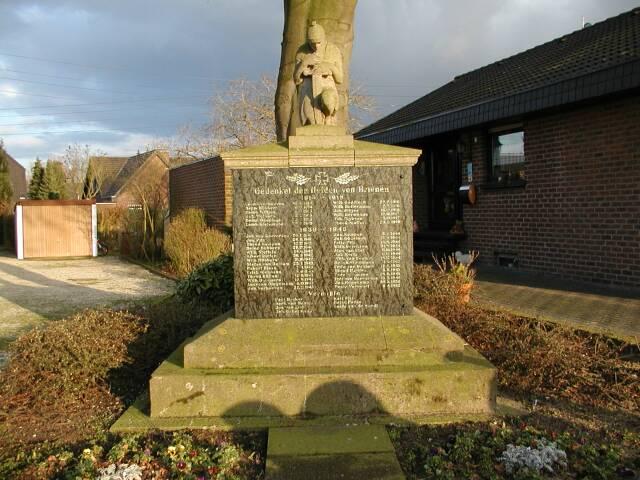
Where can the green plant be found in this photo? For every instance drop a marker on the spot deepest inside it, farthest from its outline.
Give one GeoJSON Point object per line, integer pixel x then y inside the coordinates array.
{"type": "Point", "coordinates": [481, 451]}
{"type": "Point", "coordinates": [437, 292]}
{"type": "Point", "coordinates": [53, 181]}
{"type": "Point", "coordinates": [189, 242]}
{"type": "Point", "coordinates": [597, 462]}
{"type": "Point", "coordinates": [446, 285]}
{"type": "Point", "coordinates": [211, 283]}
{"type": "Point", "coordinates": [185, 455]}
{"type": "Point", "coordinates": [36, 185]}
{"type": "Point", "coordinates": [462, 271]}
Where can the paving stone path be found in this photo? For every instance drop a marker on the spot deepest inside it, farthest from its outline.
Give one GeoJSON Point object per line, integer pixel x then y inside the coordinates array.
{"type": "Point", "coordinates": [614, 312]}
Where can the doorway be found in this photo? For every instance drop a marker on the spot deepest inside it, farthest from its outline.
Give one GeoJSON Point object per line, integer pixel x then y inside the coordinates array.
{"type": "Point", "coordinates": [443, 182]}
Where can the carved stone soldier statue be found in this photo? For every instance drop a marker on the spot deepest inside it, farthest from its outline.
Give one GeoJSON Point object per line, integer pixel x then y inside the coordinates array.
{"type": "Point", "coordinates": [318, 71]}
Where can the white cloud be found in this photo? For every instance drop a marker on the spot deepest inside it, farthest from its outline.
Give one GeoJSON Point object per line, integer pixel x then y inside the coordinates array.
{"type": "Point", "coordinates": [128, 144]}
{"type": "Point", "coordinates": [31, 14]}
{"type": "Point", "coordinates": [8, 90]}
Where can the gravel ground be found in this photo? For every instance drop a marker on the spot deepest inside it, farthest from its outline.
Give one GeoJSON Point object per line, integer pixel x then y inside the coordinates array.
{"type": "Point", "coordinates": [33, 292]}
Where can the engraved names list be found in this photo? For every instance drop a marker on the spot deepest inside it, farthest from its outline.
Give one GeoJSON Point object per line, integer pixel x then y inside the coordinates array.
{"type": "Point", "coordinates": [314, 242]}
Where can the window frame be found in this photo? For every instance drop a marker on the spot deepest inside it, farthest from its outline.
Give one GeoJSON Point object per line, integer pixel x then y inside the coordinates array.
{"type": "Point", "coordinates": [491, 180]}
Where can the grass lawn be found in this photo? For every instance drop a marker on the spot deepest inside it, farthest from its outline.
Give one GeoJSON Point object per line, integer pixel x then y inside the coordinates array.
{"type": "Point", "coordinates": [65, 386]}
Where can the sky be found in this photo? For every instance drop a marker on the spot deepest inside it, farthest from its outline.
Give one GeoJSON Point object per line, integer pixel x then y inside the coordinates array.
{"type": "Point", "coordinates": [119, 75]}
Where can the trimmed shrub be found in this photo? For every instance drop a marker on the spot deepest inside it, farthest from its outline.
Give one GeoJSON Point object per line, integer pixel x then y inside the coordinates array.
{"type": "Point", "coordinates": [438, 290]}
{"type": "Point", "coordinates": [189, 242]}
{"type": "Point", "coordinates": [70, 380]}
{"type": "Point", "coordinates": [211, 283]}
{"type": "Point", "coordinates": [58, 375]}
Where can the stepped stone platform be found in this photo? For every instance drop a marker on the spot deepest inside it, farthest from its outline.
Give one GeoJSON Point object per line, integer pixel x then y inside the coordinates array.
{"type": "Point", "coordinates": [317, 371]}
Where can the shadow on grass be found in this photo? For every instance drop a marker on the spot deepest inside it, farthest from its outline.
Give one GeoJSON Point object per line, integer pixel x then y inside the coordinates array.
{"type": "Point", "coordinates": [170, 322]}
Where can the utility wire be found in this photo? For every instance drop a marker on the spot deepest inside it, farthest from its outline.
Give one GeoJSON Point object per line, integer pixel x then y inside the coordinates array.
{"type": "Point", "coordinates": [103, 67]}
{"type": "Point", "coordinates": [11, 70]}
{"type": "Point", "coordinates": [112, 130]}
{"type": "Point", "coordinates": [153, 99]}
{"type": "Point", "coordinates": [47, 123]}
{"type": "Point", "coordinates": [11, 92]}
{"type": "Point", "coordinates": [76, 86]}
{"type": "Point", "coordinates": [123, 68]}
{"type": "Point", "coordinates": [181, 105]}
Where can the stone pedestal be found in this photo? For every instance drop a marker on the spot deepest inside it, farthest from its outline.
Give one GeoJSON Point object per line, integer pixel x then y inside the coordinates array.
{"type": "Point", "coordinates": [398, 367]}
{"type": "Point", "coordinates": [324, 328]}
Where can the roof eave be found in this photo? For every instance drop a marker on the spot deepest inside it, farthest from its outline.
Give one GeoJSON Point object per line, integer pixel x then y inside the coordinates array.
{"type": "Point", "coordinates": [615, 79]}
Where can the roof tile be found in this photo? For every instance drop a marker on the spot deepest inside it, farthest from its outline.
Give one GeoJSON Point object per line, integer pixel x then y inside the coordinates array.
{"type": "Point", "coordinates": [613, 42]}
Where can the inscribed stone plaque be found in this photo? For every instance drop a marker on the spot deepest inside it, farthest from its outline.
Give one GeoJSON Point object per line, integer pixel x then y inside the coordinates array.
{"type": "Point", "coordinates": [319, 242]}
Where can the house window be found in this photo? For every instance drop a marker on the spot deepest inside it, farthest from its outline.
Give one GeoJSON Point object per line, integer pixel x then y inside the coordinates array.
{"type": "Point", "coordinates": [507, 158]}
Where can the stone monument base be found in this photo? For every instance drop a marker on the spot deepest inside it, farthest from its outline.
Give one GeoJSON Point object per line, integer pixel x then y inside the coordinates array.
{"type": "Point", "coordinates": [317, 371]}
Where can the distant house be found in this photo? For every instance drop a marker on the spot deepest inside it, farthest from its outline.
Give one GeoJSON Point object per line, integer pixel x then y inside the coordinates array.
{"type": "Point", "coordinates": [549, 142]}
{"type": "Point", "coordinates": [17, 177]}
{"type": "Point", "coordinates": [121, 180]}
{"type": "Point", "coordinates": [18, 181]}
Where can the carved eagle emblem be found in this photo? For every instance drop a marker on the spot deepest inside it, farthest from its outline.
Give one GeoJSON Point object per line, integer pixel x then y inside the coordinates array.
{"type": "Point", "coordinates": [298, 179]}
{"type": "Point", "coordinates": [346, 178]}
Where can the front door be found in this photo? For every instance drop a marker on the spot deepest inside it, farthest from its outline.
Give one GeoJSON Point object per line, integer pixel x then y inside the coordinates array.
{"type": "Point", "coordinates": [443, 173]}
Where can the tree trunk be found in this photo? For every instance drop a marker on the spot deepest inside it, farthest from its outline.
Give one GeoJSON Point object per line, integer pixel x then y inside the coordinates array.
{"type": "Point", "coordinates": [336, 16]}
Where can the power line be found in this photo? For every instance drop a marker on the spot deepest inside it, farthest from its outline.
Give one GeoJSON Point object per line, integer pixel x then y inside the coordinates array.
{"type": "Point", "coordinates": [181, 105]}
{"type": "Point", "coordinates": [153, 99]}
{"type": "Point", "coordinates": [123, 68]}
{"type": "Point", "coordinates": [122, 129]}
{"type": "Point", "coordinates": [103, 67]}
{"type": "Point", "coordinates": [51, 123]}
{"type": "Point", "coordinates": [40, 74]}
{"type": "Point", "coordinates": [79, 79]}
{"type": "Point", "coordinates": [75, 86]}
{"type": "Point", "coordinates": [11, 92]}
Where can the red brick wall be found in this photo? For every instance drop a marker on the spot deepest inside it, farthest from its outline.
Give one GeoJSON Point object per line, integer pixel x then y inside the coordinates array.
{"type": "Point", "coordinates": [204, 185]}
{"type": "Point", "coordinates": [17, 178]}
{"type": "Point", "coordinates": [579, 214]}
{"type": "Point", "coordinates": [150, 180]}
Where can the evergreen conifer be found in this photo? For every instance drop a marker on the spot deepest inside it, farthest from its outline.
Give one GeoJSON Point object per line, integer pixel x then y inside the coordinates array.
{"type": "Point", "coordinates": [54, 182]}
{"type": "Point", "coordinates": [36, 190]}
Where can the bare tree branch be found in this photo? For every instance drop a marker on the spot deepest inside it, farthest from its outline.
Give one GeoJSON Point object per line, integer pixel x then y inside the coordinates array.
{"type": "Point", "coordinates": [76, 163]}
{"type": "Point", "coordinates": [242, 115]}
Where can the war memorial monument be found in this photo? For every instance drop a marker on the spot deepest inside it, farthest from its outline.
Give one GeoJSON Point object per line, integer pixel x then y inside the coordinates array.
{"type": "Point", "coordinates": [324, 334]}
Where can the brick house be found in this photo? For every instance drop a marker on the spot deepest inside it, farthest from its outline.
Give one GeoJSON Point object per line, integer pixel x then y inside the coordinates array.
{"type": "Point", "coordinates": [17, 177]}
{"type": "Point", "coordinates": [536, 157]}
{"type": "Point", "coordinates": [122, 178]}
{"type": "Point", "coordinates": [18, 180]}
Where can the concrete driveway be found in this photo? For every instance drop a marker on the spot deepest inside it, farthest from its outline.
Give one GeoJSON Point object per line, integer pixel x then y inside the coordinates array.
{"type": "Point", "coordinates": [33, 292]}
